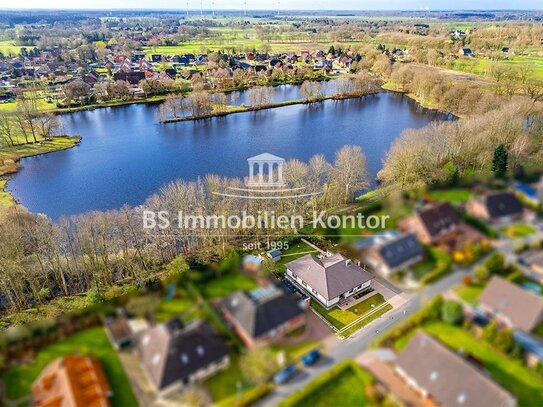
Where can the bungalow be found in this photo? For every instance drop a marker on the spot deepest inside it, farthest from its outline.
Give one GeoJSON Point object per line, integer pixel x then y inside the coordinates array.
{"type": "Point", "coordinates": [329, 279]}
{"type": "Point", "coordinates": [511, 304]}
{"type": "Point", "coordinates": [75, 381]}
{"type": "Point", "coordinates": [263, 315]}
{"type": "Point", "coordinates": [388, 256]}
{"type": "Point", "coordinates": [445, 378]}
{"type": "Point", "coordinates": [439, 224]}
{"type": "Point", "coordinates": [498, 208]}
{"type": "Point", "coordinates": [174, 355]}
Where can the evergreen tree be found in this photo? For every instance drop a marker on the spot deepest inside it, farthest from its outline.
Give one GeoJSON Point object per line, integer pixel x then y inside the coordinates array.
{"type": "Point", "coordinates": [499, 162]}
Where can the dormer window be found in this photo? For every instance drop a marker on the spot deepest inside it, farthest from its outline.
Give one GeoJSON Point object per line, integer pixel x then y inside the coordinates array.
{"type": "Point", "coordinates": [433, 376]}
{"type": "Point", "coordinates": [461, 399]}
{"type": "Point", "coordinates": [156, 359]}
{"type": "Point", "coordinates": [200, 350]}
{"type": "Point", "coordinates": [184, 358]}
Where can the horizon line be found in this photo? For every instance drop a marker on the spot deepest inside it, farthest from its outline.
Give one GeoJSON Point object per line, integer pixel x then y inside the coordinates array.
{"type": "Point", "coordinates": [419, 9]}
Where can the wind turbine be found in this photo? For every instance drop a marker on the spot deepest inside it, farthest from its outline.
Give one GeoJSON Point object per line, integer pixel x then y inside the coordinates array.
{"type": "Point", "coordinates": [187, 10]}
{"type": "Point", "coordinates": [278, 7]}
{"type": "Point", "coordinates": [245, 8]}
{"type": "Point", "coordinates": [201, 8]}
{"type": "Point", "coordinates": [213, 8]}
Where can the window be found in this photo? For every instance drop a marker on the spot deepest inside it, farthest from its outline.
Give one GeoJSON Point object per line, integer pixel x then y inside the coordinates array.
{"type": "Point", "coordinates": [304, 283]}
{"type": "Point", "coordinates": [314, 291]}
{"type": "Point", "coordinates": [184, 358]}
{"type": "Point", "coordinates": [200, 350]}
{"type": "Point", "coordinates": [156, 359]}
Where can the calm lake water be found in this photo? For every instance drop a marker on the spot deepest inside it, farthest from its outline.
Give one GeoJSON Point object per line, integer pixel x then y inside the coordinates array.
{"type": "Point", "coordinates": [125, 155]}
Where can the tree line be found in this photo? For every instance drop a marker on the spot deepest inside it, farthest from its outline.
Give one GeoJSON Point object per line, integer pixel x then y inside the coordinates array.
{"type": "Point", "coordinates": [41, 259]}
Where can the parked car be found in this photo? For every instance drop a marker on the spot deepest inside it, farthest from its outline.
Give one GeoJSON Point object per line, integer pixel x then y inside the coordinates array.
{"type": "Point", "coordinates": [311, 358]}
{"type": "Point", "coordinates": [286, 374]}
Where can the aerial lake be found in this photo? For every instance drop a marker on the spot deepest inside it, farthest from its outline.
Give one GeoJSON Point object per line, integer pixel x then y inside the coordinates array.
{"type": "Point", "coordinates": [125, 155]}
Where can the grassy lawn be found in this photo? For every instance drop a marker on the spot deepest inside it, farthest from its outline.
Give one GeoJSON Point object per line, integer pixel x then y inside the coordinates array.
{"type": "Point", "coordinates": [295, 251]}
{"type": "Point", "coordinates": [340, 319]}
{"type": "Point", "coordinates": [343, 385]}
{"type": "Point", "coordinates": [6, 199]}
{"type": "Point", "coordinates": [294, 352]}
{"type": "Point", "coordinates": [18, 379]}
{"type": "Point", "coordinates": [434, 258]}
{"type": "Point", "coordinates": [455, 195]}
{"type": "Point", "coordinates": [56, 144]}
{"type": "Point", "coordinates": [469, 293]}
{"type": "Point", "coordinates": [227, 284]}
{"type": "Point", "coordinates": [225, 384]}
{"type": "Point", "coordinates": [523, 383]}
{"type": "Point", "coordinates": [183, 305]}
{"type": "Point", "coordinates": [518, 230]}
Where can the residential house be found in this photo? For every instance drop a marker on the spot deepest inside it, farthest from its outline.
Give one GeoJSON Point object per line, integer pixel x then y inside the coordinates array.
{"type": "Point", "coordinates": [263, 315]}
{"type": "Point", "coordinates": [174, 355]}
{"type": "Point", "coordinates": [329, 278]}
{"type": "Point", "coordinates": [72, 381]}
{"type": "Point", "coordinates": [389, 255]}
{"type": "Point", "coordinates": [133, 78]}
{"type": "Point", "coordinates": [496, 208]}
{"type": "Point", "coordinates": [439, 224]}
{"type": "Point", "coordinates": [446, 378]}
{"type": "Point", "coordinates": [512, 305]}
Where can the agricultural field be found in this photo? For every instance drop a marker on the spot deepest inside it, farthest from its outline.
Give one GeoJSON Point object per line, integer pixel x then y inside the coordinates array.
{"type": "Point", "coordinates": [8, 47]}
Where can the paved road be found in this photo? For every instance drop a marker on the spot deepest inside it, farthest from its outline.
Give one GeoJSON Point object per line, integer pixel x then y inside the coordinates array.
{"type": "Point", "coordinates": [353, 346]}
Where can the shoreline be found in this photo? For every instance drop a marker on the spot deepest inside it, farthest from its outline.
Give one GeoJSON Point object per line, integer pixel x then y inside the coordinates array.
{"type": "Point", "coordinates": [59, 143]}
{"type": "Point", "coordinates": [245, 109]}
{"type": "Point", "coordinates": [7, 199]}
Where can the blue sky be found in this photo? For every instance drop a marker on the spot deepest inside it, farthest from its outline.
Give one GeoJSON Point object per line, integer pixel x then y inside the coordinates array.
{"type": "Point", "coordinates": [289, 4]}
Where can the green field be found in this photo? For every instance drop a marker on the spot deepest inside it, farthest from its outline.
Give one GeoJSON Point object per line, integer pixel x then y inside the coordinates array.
{"type": "Point", "coordinates": [18, 379]}
{"type": "Point", "coordinates": [7, 47]}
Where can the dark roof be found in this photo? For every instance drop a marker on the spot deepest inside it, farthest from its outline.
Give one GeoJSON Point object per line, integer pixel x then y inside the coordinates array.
{"type": "Point", "coordinates": [262, 310]}
{"type": "Point", "coordinates": [439, 218]}
{"type": "Point", "coordinates": [171, 352]}
{"type": "Point", "coordinates": [400, 250]}
{"type": "Point", "coordinates": [503, 204]}
{"type": "Point", "coordinates": [448, 378]}
{"type": "Point", "coordinates": [330, 276]}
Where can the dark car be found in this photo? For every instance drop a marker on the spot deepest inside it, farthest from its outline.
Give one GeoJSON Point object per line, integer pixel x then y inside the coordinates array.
{"type": "Point", "coordinates": [311, 358]}
{"type": "Point", "coordinates": [285, 375]}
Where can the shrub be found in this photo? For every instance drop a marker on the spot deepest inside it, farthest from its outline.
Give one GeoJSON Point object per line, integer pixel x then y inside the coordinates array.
{"type": "Point", "coordinates": [452, 312]}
